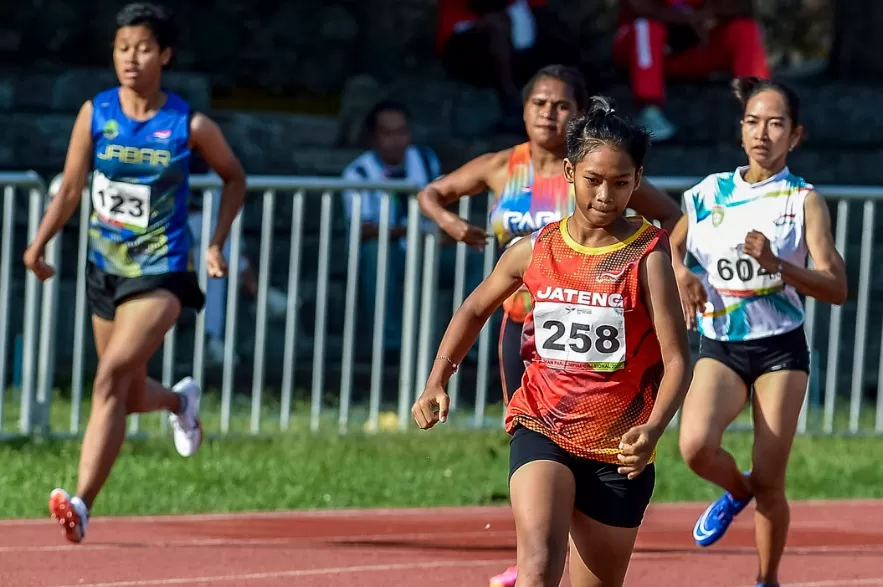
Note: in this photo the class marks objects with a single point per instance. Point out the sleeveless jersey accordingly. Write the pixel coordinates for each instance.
(528, 202)
(140, 189)
(594, 364)
(744, 301)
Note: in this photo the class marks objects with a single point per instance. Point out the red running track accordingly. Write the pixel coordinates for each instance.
(831, 544)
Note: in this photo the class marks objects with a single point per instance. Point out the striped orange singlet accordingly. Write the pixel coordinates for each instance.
(595, 362)
(528, 202)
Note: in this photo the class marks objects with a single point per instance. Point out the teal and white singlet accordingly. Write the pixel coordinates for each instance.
(744, 301)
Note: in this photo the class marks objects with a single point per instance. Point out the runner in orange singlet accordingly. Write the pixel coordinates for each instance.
(608, 363)
(530, 191)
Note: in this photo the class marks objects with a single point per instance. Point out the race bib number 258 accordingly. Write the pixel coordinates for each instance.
(587, 336)
(119, 202)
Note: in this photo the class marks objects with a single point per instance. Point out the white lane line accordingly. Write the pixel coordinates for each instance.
(298, 573)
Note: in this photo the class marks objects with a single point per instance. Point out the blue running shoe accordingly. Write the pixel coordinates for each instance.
(714, 521)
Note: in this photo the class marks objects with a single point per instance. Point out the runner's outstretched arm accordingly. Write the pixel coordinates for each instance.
(692, 292)
(67, 200)
(465, 327)
(208, 139)
(469, 180)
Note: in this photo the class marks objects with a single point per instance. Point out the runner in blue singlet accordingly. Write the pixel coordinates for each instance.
(137, 140)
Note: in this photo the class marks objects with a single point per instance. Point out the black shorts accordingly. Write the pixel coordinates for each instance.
(752, 358)
(601, 493)
(106, 291)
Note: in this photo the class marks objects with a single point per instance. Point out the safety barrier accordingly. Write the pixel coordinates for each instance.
(309, 198)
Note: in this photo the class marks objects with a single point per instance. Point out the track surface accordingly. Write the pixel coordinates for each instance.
(831, 544)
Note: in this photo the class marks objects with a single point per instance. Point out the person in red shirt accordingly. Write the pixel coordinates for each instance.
(659, 39)
(608, 365)
(500, 44)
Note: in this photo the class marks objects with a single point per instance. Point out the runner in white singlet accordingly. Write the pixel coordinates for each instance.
(749, 233)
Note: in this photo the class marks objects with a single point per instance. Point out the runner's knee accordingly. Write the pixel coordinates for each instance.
(541, 558)
(768, 485)
(111, 379)
(698, 447)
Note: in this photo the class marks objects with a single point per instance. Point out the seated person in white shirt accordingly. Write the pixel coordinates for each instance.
(392, 156)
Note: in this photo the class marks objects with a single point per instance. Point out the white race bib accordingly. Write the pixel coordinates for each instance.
(120, 202)
(738, 272)
(591, 336)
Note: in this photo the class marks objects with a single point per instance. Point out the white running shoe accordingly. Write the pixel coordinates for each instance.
(70, 513)
(186, 425)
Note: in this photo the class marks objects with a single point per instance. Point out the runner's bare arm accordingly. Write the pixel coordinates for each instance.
(472, 178)
(827, 281)
(76, 168)
(678, 241)
(692, 292)
(660, 292)
(207, 138)
(652, 203)
(469, 319)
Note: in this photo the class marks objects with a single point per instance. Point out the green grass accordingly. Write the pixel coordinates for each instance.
(294, 469)
(441, 467)
(240, 414)
(241, 408)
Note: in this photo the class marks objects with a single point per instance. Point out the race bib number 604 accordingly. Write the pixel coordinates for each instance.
(741, 273)
(590, 337)
(121, 203)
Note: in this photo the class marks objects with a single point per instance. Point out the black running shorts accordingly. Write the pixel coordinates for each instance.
(752, 358)
(106, 291)
(602, 494)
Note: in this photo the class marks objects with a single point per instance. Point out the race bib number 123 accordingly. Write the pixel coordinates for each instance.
(121, 203)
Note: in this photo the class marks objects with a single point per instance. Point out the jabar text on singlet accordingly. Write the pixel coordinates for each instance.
(746, 302)
(595, 363)
(528, 202)
(140, 188)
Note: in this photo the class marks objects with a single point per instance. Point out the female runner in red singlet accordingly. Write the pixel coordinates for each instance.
(531, 191)
(608, 366)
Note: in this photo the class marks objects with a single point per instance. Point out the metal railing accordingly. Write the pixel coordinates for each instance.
(313, 229)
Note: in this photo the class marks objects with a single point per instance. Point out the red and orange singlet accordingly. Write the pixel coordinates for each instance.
(595, 363)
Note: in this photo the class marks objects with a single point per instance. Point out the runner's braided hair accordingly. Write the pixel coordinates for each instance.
(600, 126)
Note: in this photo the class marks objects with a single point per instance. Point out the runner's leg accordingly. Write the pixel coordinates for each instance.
(778, 398)
(138, 330)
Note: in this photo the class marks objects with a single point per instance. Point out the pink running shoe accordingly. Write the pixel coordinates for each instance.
(506, 579)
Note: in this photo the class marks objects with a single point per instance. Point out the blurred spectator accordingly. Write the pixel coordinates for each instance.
(216, 290)
(392, 156)
(686, 39)
(500, 44)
